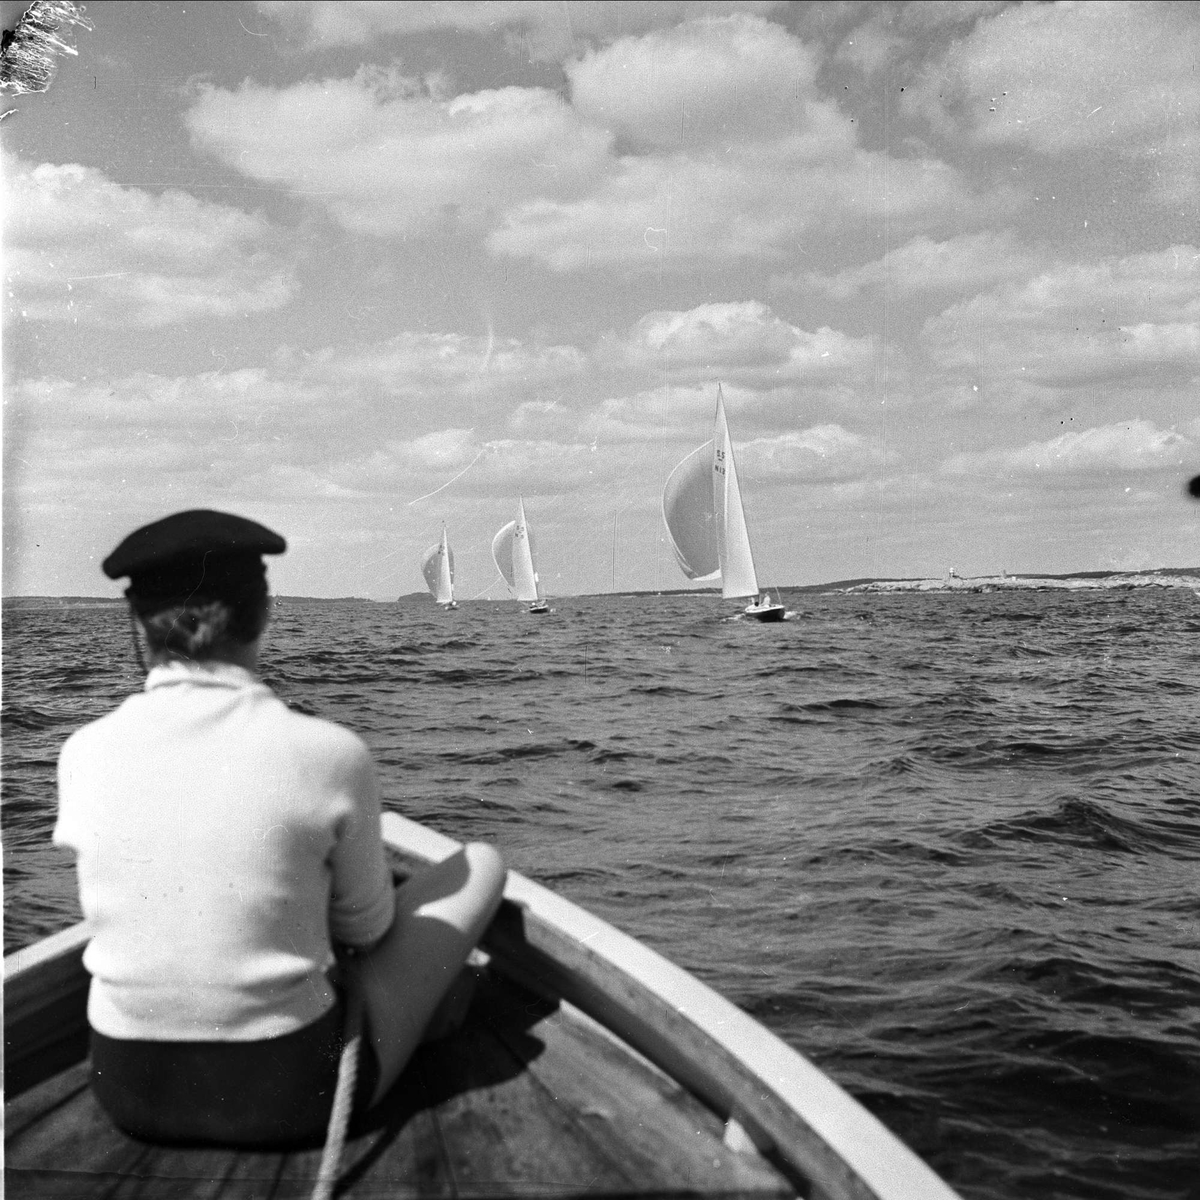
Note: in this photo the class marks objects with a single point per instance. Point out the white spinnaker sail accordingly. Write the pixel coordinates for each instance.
(688, 512)
(733, 541)
(437, 566)
(513, 551)
(502, 551)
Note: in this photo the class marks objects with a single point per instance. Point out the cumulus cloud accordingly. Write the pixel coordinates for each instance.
(1126, 446)
(211, 434)
(436, 369)
(744, 342)
(961, 264)
(1060, 78)
(379, 419)
(824, 453)
(461, 463)
(1074, 322)
(653, 416)
(213, 429)
(81, 247)
(405, 417)
(748, 203)
(387, 156)
(544, 417)
(706, 141)
(547, 31)
(892, 34)
(442, 449)
(726, 151)
(704, 84)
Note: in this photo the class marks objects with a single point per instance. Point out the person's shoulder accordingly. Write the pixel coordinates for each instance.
(78, 742)
(95, 731)
(317, 734)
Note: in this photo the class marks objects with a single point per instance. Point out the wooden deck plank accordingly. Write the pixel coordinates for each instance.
(196, 1177)
(508, 1137)
(401, 1147)
(79, 1153)
(565, 1147)
(485, 1113)
(473, 1090)
(396, 1151)
(67, 1147)
(76, 1152)
(667, 1138)
(71, 1137)
(35, 1104)
(600, 1121)
(73, 1149)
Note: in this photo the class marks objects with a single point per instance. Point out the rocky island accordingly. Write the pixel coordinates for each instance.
(1187, 577)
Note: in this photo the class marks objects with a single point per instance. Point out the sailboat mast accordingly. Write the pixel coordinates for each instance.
(614, 555)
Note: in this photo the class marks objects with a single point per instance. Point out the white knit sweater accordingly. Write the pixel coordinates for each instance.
(221, 841)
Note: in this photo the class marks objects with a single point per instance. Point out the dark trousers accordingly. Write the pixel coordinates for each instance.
(272, 1093)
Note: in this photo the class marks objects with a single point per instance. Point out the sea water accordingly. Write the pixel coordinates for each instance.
(946, 845)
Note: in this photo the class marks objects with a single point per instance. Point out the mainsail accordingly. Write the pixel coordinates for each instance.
(437, 566)
(513, 551)
(733, 540)
(702, 508)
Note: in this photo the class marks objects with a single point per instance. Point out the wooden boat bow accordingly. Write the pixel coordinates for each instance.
(791, 1110)
(815, 1135)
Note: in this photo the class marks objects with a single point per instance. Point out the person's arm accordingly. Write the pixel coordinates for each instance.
(363, 899)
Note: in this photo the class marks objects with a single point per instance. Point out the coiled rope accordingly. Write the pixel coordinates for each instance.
(343, 1096)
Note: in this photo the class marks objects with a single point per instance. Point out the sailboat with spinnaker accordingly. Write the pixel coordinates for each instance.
(437, 565)
(513, 552)
(702, 509)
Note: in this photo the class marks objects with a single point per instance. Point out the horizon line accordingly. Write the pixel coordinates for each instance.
(713, 591)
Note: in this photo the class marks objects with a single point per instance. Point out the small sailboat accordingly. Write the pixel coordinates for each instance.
(437, 565)
(513, 551)
(702, 509)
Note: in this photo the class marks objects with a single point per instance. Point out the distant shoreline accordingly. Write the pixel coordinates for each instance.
(1188, 577)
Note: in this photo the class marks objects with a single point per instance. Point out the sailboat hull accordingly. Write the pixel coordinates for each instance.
(769, 612)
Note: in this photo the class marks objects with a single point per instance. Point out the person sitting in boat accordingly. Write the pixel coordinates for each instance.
(227, 849)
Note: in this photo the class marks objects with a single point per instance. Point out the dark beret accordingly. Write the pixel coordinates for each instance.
(190, 537)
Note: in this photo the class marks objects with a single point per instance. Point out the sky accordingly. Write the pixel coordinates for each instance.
(356, 270)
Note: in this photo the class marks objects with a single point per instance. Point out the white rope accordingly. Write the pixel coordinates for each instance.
(343, 1096)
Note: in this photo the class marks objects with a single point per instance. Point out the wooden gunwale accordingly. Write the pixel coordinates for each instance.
(45, 1008)
(800, 1119)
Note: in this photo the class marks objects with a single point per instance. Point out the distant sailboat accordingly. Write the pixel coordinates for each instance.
(437, 566)
(702, 508)
(512, 549)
